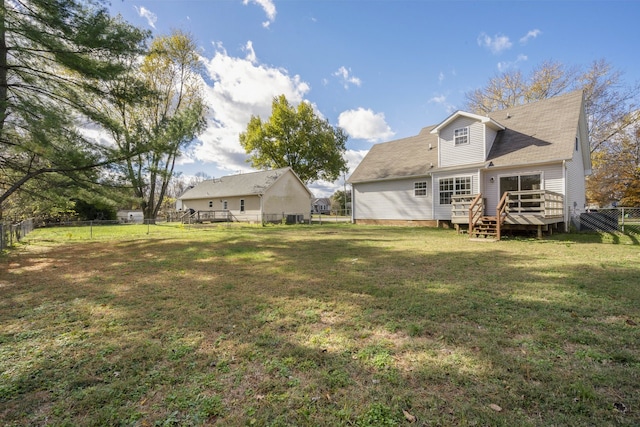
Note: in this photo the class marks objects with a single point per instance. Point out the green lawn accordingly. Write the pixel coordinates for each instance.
(332, 325)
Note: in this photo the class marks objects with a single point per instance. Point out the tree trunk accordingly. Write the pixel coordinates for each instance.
(3, 69)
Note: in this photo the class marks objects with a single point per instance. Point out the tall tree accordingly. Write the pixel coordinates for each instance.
(51, 53)
(611, 107)
(298, 138)
(616, 175)
(152, 134)
(341, 201)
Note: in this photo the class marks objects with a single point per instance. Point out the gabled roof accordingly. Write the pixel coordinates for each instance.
(538, 132)
(246, 184)
(482, 119)
(412, 156)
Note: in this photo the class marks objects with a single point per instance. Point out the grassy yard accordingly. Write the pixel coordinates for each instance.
(331, 325)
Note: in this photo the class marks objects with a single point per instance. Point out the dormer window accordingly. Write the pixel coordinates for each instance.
(461, 136)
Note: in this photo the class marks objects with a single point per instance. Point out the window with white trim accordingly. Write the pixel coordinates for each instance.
(241, 205)
(461, 136)
(450, 187)
(224, 205)
(420, 188)
(210, 203)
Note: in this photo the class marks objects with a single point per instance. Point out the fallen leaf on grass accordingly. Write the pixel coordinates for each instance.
(409, 417)
(495, 407)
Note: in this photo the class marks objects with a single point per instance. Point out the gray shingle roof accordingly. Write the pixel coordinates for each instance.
(542, 131)
(537, 132)
(403, 157)
(245, 184)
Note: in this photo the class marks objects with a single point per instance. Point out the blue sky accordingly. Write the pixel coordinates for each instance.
(380, 69)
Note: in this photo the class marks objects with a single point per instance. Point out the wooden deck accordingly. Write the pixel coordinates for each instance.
(208, 216)
(521, 209)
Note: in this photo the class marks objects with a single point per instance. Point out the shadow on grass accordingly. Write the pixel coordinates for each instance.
(317, 327)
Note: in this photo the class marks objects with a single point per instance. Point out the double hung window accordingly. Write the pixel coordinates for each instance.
(454, 187)
(461, 136)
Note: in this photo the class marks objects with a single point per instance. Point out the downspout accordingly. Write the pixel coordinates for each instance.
(353, 205)
(566, 196)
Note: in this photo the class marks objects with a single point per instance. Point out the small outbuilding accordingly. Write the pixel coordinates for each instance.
(265, 196)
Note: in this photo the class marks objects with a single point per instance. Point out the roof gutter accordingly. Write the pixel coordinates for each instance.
(490, 165)
(394, 178)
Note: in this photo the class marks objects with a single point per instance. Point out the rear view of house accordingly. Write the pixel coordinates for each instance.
(265, 196)
(524, 167)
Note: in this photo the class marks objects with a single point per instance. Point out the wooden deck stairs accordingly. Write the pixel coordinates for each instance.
(486, 227)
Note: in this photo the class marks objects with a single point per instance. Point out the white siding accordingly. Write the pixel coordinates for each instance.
(489, 140)
(287, 195)
(576, 191)
(393, 200)
(444, 211)
(251, 206)
(457, 155)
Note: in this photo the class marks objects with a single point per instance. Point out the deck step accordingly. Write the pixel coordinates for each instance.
(486, 228)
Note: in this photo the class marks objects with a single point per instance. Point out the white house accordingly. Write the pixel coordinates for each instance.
(265, 196)
(520, 167)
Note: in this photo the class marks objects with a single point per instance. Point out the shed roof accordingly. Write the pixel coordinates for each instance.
(246, 184)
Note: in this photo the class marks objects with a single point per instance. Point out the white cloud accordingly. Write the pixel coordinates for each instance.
(504, 66)
(530, 35)
(440, 77)
(145, 13)
(251, 54)
(442, 100)
(269, 9)
(365, 124)
(346, 78)
(239, 88)
(496, 44)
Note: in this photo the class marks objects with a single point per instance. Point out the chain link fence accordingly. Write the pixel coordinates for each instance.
(611, 220)
(12, 233)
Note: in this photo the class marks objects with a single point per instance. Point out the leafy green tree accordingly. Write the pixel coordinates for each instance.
(152, 134)
(298, 138)
(610, 106)
(341, 201)
(51, 53)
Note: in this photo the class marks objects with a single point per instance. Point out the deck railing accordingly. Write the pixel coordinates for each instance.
(539, 203)
(476, 210)
(214, 216)
(460, 208)
(501, 214)
(534, 202)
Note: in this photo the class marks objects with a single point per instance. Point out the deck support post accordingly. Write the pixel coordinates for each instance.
(539, 232)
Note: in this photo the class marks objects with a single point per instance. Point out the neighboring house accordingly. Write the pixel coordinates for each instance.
(321, 205)
(266, 196)
(535, 155)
